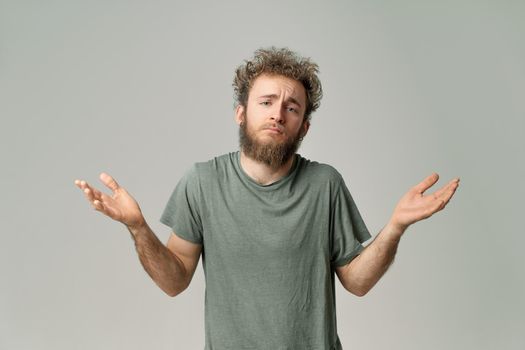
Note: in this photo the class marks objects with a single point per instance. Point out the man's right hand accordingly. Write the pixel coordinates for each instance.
(120, 206)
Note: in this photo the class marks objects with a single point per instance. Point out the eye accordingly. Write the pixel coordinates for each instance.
(291, 109)
(265, 103)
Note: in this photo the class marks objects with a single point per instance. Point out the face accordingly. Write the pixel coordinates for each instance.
(272, 123)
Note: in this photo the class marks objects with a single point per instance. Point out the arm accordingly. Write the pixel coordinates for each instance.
(363, 272)
(171, 267)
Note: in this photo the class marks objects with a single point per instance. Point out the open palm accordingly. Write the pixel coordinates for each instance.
(120, 206)
(414, 206)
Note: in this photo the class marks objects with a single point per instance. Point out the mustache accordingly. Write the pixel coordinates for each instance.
(273, 126)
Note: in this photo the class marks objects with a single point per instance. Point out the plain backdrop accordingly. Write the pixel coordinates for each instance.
(142, 90)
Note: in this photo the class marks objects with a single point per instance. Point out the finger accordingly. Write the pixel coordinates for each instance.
(91, 192)
(443, 191)
(80, 184)
(426, 183)
(436, 204)
(441, 202)
(107, 210)
(98, 205)
(96, 193)
(109, 181)
(83, 185)
(448, 194)
(440, 205)
(448, 190)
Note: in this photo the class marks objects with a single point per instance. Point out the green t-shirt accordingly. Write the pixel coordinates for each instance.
(269, 251)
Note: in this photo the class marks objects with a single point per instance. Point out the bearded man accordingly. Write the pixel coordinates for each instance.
(273, 228)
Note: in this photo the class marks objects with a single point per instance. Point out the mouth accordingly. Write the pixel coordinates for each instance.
(273, 130)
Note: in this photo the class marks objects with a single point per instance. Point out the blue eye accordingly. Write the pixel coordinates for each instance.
(265, 103)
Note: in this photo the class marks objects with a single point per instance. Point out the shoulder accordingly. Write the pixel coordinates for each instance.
(209, 169)
(318, 171)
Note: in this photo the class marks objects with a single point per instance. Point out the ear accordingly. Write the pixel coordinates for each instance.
(239, 114)
(304, 128)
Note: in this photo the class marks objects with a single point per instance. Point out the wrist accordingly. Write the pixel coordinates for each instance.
(394, 231)
(138, 227)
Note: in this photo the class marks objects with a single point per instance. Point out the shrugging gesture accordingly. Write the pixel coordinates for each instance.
(119, 206)
(415, 206)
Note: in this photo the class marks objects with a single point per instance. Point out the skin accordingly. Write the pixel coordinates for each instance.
(283, 111)
(172, 266)
(365, 270)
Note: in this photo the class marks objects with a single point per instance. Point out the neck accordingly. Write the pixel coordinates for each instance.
(261, 172)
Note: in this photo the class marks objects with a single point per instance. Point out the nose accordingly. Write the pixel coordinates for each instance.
(279, 113)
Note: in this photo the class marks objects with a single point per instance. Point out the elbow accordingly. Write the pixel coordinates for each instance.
(173, 292)
(359, 290)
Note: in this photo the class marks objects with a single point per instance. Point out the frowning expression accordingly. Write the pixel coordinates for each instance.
(275, 109)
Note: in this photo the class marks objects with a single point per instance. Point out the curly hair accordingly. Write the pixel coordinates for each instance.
(279, 61)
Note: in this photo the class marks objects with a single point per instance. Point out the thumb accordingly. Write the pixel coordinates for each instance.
(109, 181)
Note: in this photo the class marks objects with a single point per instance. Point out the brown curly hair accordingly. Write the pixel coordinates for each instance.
(280, 61)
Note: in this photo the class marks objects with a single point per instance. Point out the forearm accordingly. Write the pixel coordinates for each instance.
(162, 265)
(369, 266)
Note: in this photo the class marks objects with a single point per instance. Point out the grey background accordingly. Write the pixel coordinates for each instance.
(142, 90)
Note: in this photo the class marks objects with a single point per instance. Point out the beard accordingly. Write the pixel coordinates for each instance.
(272, 153)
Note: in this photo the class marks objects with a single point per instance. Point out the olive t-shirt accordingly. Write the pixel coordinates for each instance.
(269, 251)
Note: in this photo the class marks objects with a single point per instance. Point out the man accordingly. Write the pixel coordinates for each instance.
(273, 227)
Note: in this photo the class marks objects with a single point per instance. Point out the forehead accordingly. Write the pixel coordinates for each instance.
(278, 84)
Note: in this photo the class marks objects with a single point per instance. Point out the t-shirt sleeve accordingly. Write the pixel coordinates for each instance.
(348, 229)
(182, 212)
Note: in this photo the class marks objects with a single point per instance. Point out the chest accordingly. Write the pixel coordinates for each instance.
(286, 226)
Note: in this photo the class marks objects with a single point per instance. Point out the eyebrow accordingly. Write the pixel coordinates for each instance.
(289, 99)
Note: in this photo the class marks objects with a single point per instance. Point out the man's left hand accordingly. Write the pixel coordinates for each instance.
(414, 206)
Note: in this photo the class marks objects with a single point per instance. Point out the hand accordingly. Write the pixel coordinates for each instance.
(120, 206)
(414, 206)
